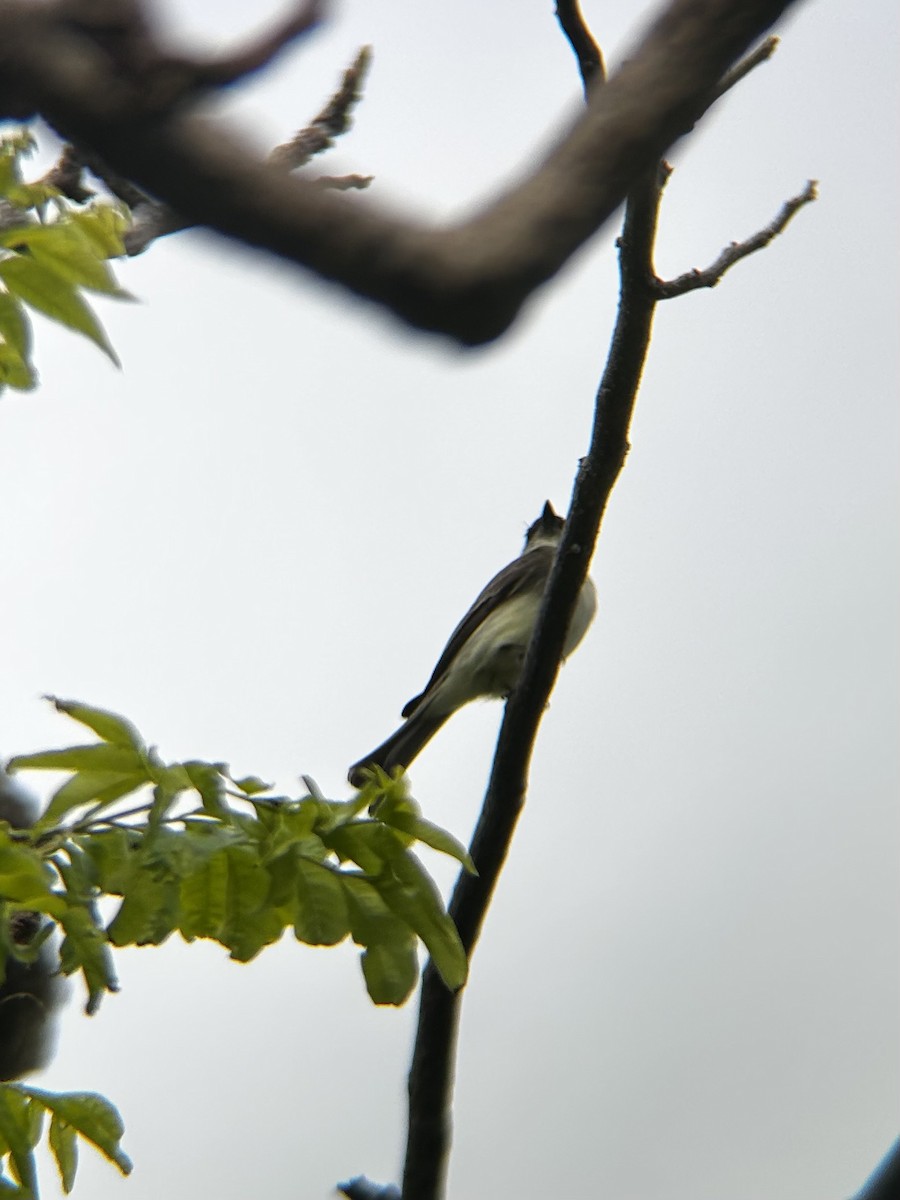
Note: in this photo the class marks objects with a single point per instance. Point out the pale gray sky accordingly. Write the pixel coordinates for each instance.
(256, 538)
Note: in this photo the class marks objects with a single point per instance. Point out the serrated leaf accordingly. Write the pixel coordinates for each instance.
(98, 756)
(64, 1145)
(149, 911)
(432, 835)
(43, 289)
(204, 899)
(95, 1119)
(15, 1129)
(321, 917)
(249, 925)
(107, 725)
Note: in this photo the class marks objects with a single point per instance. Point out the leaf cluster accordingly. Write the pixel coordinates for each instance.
(51, 250)
(72, 1115)
(185, 847)
(210, 856)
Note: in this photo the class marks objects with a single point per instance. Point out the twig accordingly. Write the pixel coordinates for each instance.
(691, 280)
(344, 183)
(66, 175)
(331, 122)
(587, 52)
(761, 54)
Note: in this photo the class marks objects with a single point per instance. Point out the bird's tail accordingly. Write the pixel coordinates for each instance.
(401, 747)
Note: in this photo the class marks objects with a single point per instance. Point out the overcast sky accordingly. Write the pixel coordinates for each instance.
(255, 539)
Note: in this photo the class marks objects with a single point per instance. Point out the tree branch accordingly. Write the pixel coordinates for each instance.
(468, 281)
(434, 1054)
(691, 280)
(587, 53)
(331, 122)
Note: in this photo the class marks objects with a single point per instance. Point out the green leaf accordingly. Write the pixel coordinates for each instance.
(97, 788)
(98, 756)
(252, 785)
(31, 195)
(25, 878)
(95, 1119)
(43, 289)
(321, 917)
(107, 725)
(332, 814)
(15, 328)
(16, 1131)
(149, 911)
(104, 225)
(431, 835)
(390, 970)
(410, 892)
(64, 1144)
(390, 965)
(85, 949)
(248, 926)
(204, 899)
(370, 918)
(289, 825)
(367, 843)
(64, 248)
(112, 853)
(15, 371)
(207, 781)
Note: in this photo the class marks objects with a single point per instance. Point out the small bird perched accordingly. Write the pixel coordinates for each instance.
(486, 650)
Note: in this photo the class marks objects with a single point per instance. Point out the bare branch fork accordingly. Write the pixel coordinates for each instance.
(431, 1073)
(108, 86)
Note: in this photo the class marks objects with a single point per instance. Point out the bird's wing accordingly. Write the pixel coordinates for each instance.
(524, 574)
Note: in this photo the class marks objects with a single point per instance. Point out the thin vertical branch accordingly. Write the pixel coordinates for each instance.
(432, 1071)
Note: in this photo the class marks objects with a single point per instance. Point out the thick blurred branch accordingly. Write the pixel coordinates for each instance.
(124, 99)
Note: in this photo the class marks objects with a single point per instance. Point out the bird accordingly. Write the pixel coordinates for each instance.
(486, 650)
